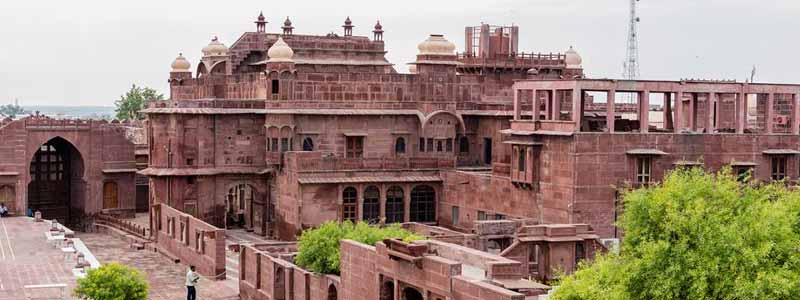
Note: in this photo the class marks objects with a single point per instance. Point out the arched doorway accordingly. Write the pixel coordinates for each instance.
(56, 180)
(423, 204)
(395, 210)
(332, 294)
(410, 293)
(239, 206)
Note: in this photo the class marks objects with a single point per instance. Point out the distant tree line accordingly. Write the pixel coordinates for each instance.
(12, 110)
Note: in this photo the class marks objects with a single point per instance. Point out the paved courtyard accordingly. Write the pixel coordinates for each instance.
(166, 278)
(27, 259)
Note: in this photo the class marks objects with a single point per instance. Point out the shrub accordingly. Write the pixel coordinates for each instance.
(319, 248)
(699, 236)
(112, 282)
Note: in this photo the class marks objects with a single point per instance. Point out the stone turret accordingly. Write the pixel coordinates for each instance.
(436, 55)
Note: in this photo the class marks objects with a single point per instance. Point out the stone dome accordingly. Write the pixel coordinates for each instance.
(572, 59)
(215, 48)
(436, 44)
(280, 52)
(180, 64)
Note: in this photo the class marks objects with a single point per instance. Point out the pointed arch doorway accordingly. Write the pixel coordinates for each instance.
(56, 186)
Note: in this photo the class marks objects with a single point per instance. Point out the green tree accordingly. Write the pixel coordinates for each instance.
(136, 99)
(318, 249)
(699, 236)
(12, 110)
(112, 282)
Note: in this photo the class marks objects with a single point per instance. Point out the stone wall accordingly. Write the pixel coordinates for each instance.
(267, 277)
(191, 240)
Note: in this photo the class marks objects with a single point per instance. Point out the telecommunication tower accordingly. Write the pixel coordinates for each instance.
(631, 63)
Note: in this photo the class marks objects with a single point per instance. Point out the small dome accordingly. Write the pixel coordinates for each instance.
(280, 52)
(287, 23)
(347, 22)
(436, 44)
(378, 26)
(573, 59)
(180, 64)
(261, 17)
(215, 48)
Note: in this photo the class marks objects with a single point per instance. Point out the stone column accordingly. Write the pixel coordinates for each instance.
(644, 111)
(555, 111)
(516, 105)
(770, 124)
(741, 113)
(709, 119)
(678, 122)
(611, 98)
(577, 108)
(382, 201)
(535, 107)
(667, 117)
(692, 112)
(406, 203)
(796, 114)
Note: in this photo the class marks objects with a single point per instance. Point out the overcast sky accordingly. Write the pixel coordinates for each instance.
(88, 52)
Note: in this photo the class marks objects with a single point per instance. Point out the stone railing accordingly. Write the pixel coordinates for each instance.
(190, 240)
(318, 161)
(128, 226)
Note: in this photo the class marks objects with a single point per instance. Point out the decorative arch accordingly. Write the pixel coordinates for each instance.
(395, 208)
(201, 69)
(410, 293)
(460, 129)
(332, 293)
(371, 210)
(56, 183)
(219, 67)
(423, 204)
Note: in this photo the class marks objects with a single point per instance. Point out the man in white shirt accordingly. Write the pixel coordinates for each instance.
(3, 210)
(191, 281)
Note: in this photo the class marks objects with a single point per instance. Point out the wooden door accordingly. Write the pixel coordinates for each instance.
(110, 195)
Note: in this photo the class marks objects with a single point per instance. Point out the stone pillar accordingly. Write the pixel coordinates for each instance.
(577, 108)
(679, 117)
(644, 111)
(741, 113)
(770, 124)
(709, 119)
(535, 107)
(516, 105)
(555, 111)
(611, 98)
(667, 118)
(382, 201)
(796, 114)
(692, 112)
(407, 203)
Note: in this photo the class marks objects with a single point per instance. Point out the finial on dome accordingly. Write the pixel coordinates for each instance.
(378, 32)
(181, 64)
(287, 26)
(348, 27)
(215, 48)
(280, 52)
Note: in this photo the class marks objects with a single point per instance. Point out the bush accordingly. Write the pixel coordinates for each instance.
(319, 248)
(699, 236)
(112, 282)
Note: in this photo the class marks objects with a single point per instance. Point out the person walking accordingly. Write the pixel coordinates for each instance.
(191, 282)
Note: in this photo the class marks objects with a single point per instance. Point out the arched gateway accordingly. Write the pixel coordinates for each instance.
(56, 186)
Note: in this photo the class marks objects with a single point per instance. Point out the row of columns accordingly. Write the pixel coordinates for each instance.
(710, 121)
(384, 188)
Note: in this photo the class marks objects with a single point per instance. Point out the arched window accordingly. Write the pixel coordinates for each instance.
(332, 294)
(410, 293)
(463, 145)
(372, 205)
(423, 204)
(308, 144)
(394, 205)
(349, 204)
(400, 146)
(110, 195)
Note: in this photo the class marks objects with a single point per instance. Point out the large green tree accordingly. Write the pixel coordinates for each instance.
(112, 282)
(136, 99)
(699, 236)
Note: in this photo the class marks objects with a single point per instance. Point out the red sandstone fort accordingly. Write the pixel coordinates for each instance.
(510, 161)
